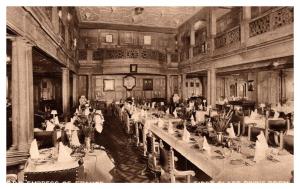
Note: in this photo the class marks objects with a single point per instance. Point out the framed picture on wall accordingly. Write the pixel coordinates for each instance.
(108, 85)
(251, 85)
(147, 40)
(109, 38)
(147, 84)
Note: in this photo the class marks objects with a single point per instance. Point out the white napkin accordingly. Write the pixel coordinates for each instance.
(153, 105)
(230, 131)
(34, 151)
(77, 112)
(276, 115)
(261, 147)
(49, 126)
(193, 121)
(175, 113)
(160, 123)
(186, 135)
(75, 140)
(64, 153)
(162, 103)
(206, 146)
(168, 111)
(170, 128)
(201, 107)
(149, 105)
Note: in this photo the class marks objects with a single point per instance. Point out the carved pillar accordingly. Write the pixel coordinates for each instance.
(65, 90)
(89, 86)
(192, 42)
(168, 58)
(183, 88)
(168, 87)
(22, 94)
(212, 29)
(245, 25)
(213, 91)
(75, 93)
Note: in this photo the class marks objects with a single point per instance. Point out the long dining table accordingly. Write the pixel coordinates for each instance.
(231, 166)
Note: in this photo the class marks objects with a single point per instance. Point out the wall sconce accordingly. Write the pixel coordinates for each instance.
(60, 13)
(69, 17)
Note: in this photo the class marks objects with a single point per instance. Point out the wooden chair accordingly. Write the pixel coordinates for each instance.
(167, 163)
(278, 127)
(68, 175)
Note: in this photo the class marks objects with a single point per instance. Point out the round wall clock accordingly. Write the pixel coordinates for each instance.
(129, 82)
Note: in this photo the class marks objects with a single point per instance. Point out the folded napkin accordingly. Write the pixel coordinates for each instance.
(193, 121)
(160, 123)
(34, 151)
(175, 113)
(153, 105)
(99, 127)
(75, 140)
(201, 107)
(230, 131)
(64, 153)
(170, 128)
(261, 147)
(49, 126)
(276, 115)
(149, 105)
(206, 146)
(77, 112)
(168, 111)
(186, 134)
(162, 103)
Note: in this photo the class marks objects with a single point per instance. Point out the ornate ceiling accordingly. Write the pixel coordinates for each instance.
(166, 17)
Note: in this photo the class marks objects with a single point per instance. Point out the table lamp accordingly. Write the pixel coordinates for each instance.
(53, 112)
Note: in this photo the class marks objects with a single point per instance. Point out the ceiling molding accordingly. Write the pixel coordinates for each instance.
(110, 26)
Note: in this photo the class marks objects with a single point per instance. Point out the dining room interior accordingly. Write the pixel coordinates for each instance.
(149, 94)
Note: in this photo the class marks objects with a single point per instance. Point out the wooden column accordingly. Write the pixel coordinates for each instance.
(213, 87)
(212, 29)
(245, 25)
(75, 93)
(22, 94)
(89, 87)
(168, 87)
(183, 88)
(65, 90)
(192, 42)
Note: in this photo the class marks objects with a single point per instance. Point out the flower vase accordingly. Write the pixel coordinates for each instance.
(87, 142)
(220, 137)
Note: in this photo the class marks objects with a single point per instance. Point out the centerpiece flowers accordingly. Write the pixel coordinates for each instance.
(220, 123)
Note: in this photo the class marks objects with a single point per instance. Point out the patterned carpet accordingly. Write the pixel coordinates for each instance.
(128, 158)
(129, 161)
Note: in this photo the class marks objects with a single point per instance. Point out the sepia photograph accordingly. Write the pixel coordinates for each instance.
(149, 94)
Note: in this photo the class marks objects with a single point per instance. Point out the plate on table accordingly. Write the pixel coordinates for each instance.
(236, 162)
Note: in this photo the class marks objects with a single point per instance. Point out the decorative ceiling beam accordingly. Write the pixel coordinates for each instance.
(89, 25)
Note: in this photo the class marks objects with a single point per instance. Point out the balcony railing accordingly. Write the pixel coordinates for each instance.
(228, 37)
(128, 53)
(271, 21)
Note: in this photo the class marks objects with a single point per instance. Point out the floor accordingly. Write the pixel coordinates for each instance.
(130, 164)
(129, 161)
